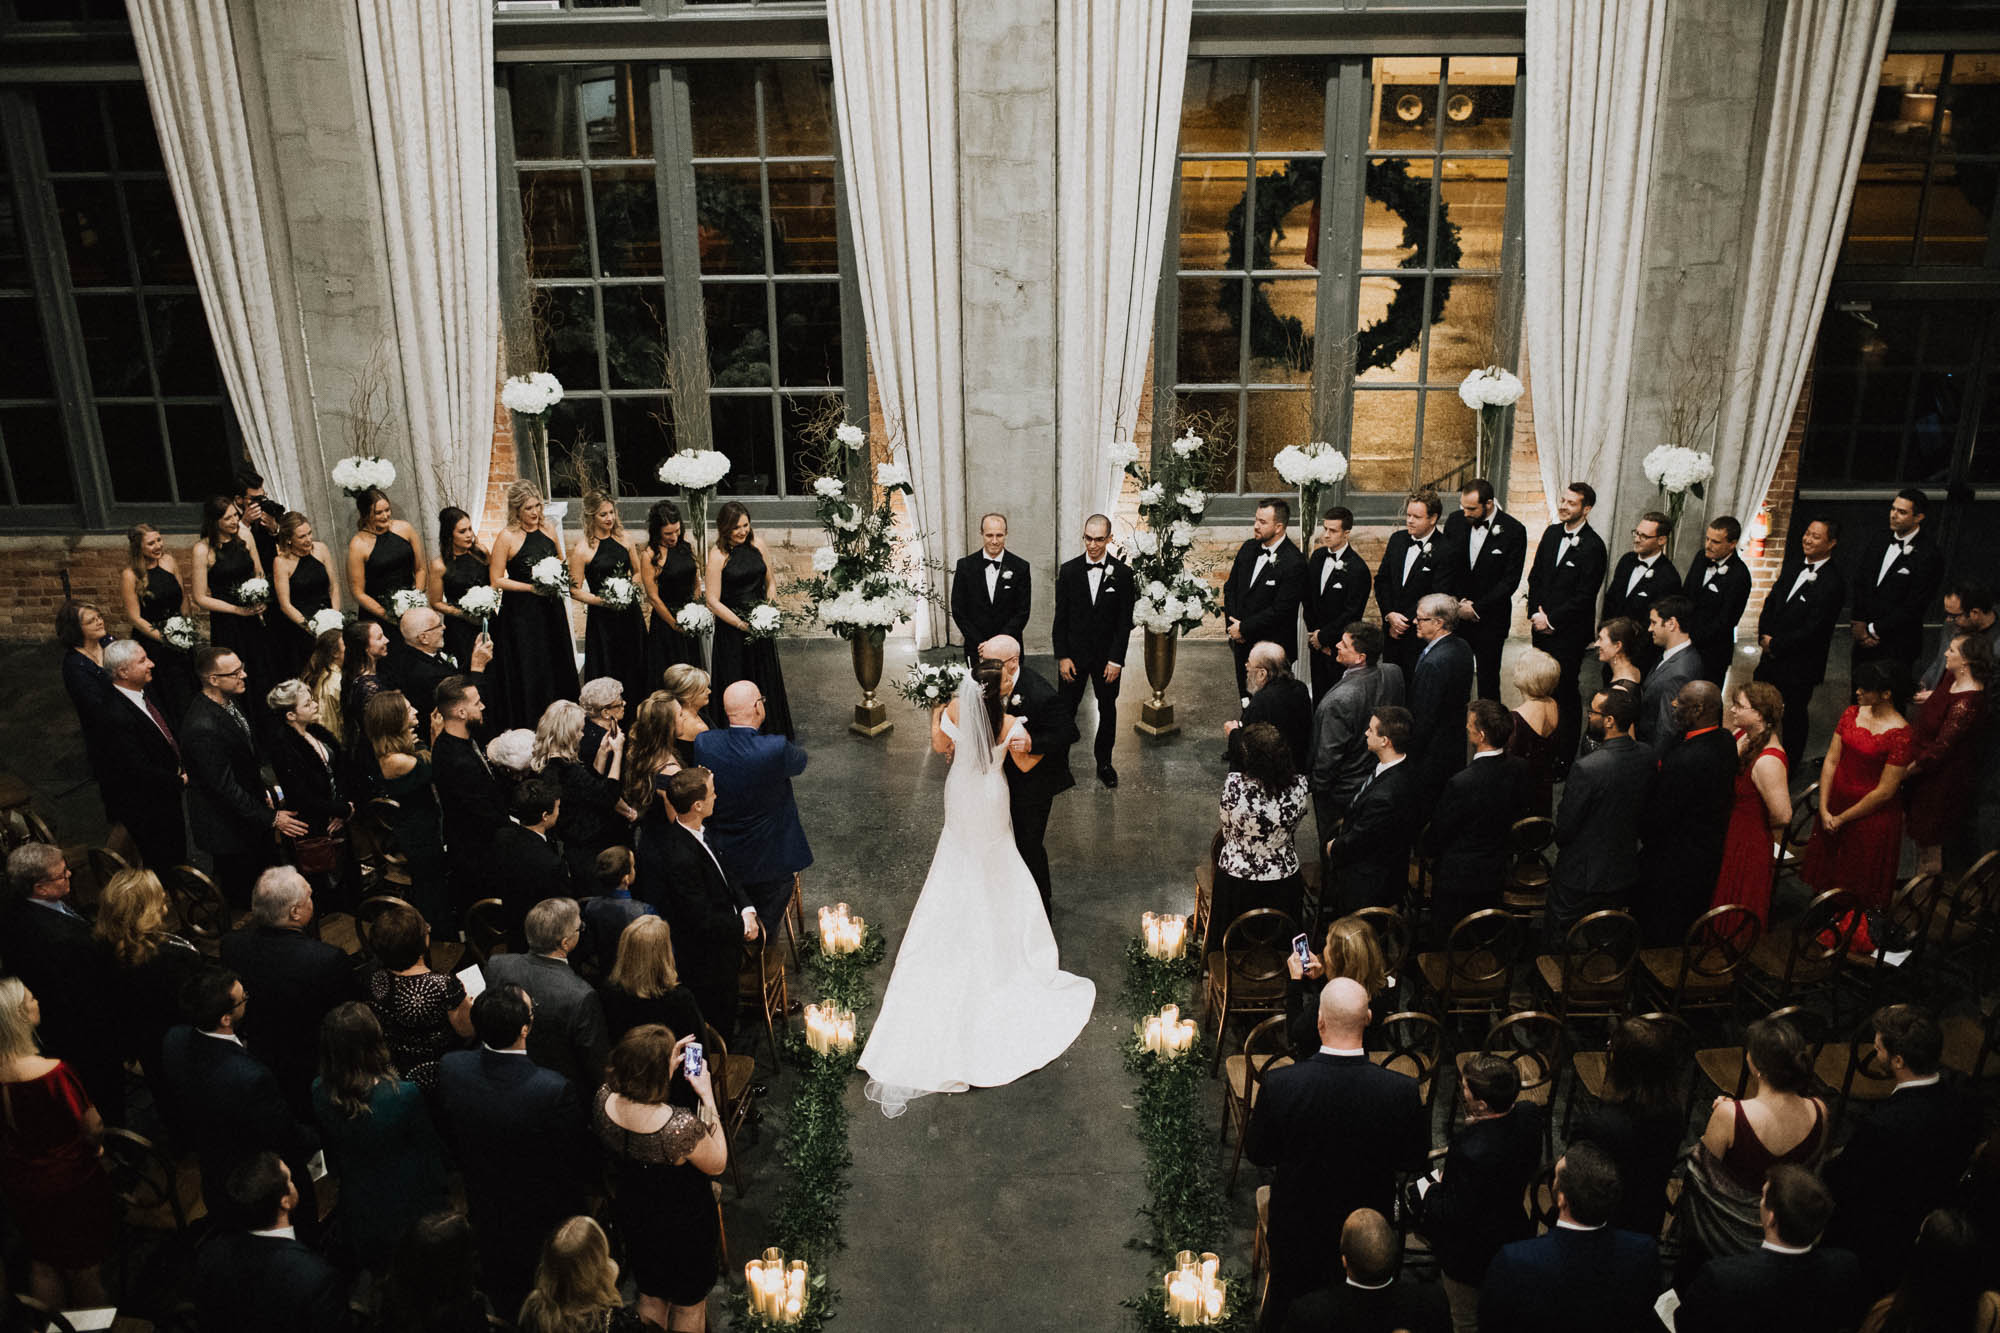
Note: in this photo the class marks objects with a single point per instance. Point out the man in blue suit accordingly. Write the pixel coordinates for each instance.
(755, 828)
(1583, 1276)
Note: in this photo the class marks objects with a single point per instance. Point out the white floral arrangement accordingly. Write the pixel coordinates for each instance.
(850, 436)
(406, 599)
(531, 395)
(829, 488)
(1192, 500)
(824, 559)
(1151, 494)
(930, 685)
(1315, 464)
(551, 573)
(1675, 468)
(481, 601)
(846, 517)
(1490, 386)
(1173, 608)
(1145, 543)
(854, 609)
(893, 477)
(764, 620)
(695, 469)
(1181, 533)
(1122, 453)
(619, 593)
(320, 622)
(357, 473)
(694, 618)
(253, 592)
(1189, 444)
(178, 631)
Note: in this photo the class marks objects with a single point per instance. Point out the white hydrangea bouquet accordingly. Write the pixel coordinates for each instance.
(1173, 608)
(695, 473)
(1489, 392)
(1314, 469)
(179, 631)
(694, 618)
(320, 622)
(531, 395)
(764, 620)
(406, 599)
(932, 684)
(860, 584)
(619, 593)
(253, 592)
(480, 601)
(1171, 502)
(357, 472)
(551, 575)
(1678, 471)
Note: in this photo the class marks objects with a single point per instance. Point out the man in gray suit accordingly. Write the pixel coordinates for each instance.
(569, 1034)
(1340, 761)
(1669, 619)
(1597, 825)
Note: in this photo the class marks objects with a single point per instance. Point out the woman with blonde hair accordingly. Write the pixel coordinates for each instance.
(645, 985)
(1349, 950)
(533, 654)
(322, 677)
(592, 816)
(1535, 674)
(148, 963)
(689, 685)
(302, 586)
(614, 637)
(1763, 808)
(150, 587)
(576, 1286)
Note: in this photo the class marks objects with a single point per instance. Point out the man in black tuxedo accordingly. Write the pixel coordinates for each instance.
(1265, 589)
(1489, 548)
(569, 1035)
(991, 590)
(470, 803)
(1335, 1128)
(1562, 606)
(1277, 697)
(1679, 663)
(1583, 1276)
(1031, 792)
(1791, 1280)
(1597, 824)
(1683, 827)
(1340, 759)
(48, 945)
(230, 808)
(1905, 1158)
(141, 779)
(1337, 584)
(1718, 583)
(1373, 845)
(1440, 687)
(1373, 1295)
(1640, 579)
(1893, 583)
(1474, 1206)
(710, 916)
(259, 1274)
(1093, 625)
(295, 978)
(1417, 562)
(1795, 629)
(1475, 814)
(419, 662)
(522, 1141)
(528, 867)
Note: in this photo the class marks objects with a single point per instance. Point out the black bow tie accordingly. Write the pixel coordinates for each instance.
(1478, 523)
(1096, 564)
(993, 564)
(1720, 566)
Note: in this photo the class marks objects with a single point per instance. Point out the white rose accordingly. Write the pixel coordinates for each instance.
(1181, 533)
(846, 517)
(1145, 543)
(831, 488)
(850, 436)
(1122, 453)
(891, 475)
(824, 559)
(1192, 500)
(1152, 495)
(1187, 444)
(1293, 464)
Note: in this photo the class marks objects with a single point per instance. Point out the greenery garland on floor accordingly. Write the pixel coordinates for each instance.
(1184, 1208)
(806, 1224)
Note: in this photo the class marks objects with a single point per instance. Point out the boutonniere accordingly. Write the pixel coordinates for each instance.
(1646, 574)
(1809, 575)
(1006, 575)
(1013, 700)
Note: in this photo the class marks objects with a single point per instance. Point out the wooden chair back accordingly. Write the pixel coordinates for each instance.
(485, 929)
(1480, 957)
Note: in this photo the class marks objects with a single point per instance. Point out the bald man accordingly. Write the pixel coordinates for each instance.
(1372, 1292)
(419, 662)
(755, 831)
(1038, 767)
(1683, 827)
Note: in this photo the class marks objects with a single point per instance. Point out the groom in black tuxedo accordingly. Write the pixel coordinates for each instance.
(1032, 791)
(1093, 625)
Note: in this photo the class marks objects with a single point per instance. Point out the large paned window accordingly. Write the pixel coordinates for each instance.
(1891, 387)
(1929, 170)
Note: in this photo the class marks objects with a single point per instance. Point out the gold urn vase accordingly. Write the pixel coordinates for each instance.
(1156, 715)
(871, 717)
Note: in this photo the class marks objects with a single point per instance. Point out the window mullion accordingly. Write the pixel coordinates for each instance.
(680, 246)
(1343, 199)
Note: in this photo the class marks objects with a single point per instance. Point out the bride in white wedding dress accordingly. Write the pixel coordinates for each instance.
(976, 999)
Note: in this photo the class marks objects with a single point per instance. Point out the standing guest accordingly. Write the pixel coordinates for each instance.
(49, 946)
(295, 978)
(662, 1159)
(594, 816)
(1677, 664)
(992, 590)
(223, 562)
(527, 866)
(1947, 1287)
(1337, 586)
(682, 874)
(1562, 605)
(423, 1013)
(1683, 829)
(535, 660)
(460, 565)
(378, 1136)
(1373, 845)
(141, 778)
(1417, 562)
(1470, 829)
(262, 515)
(568, 1035)
(256, 1273)
(1093, 626)
(1341, 760)
(660, 737)
(1351, 949)
(1473, 1207)
(1597, 828)
(1489, 548)
(384, 557)
(301, 587)
(1642, 578)
(1440, 687)
(148, 965)
(310, 769)
(576, 1286)
(1535, 675)
(1789, 1280)
(1943, 775)
(433, 1280)
(1265, 588)
(603, 704)
(322, 680)
(1278, 700)
(419, 662)
(1374, 1296)
(364, 653)
(1858, 838)
(1262, 804)
(1761, 806)
(80, 630)
(1639, 1119)
(151, 587)
(644, 985)
(1795, 628)
(608, 911)
(755, 825)
(1620, 641)
(1968, 609)
(470, 802)
(670, 573)
(1583, 1276)
(690, 687)
(740, 575)
(614, 638)
(1718, 583)
(231, 811)
(55, 1187)
(403, 775)
(1894, 580)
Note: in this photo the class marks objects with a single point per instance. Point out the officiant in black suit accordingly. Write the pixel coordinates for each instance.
(1093, 625)
(1642, 577)
(1032, 790)
(1893, 584)
(1488, 549)
(1265, 588)
(1337, 585)
(1718, 583)
(991, 590)
(1562, 606)
(1795, 629)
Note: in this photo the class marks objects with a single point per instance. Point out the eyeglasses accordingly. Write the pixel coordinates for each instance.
(1435, 620)
(57, 876)
(228, 675)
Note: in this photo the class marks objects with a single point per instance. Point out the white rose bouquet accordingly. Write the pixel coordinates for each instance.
(531, 395)
(932, 685)
(829, 488)
(893, 477)
(619, 593)
(1678, 471)
(1314, 468)
(179, 631)
(764, 620)
(695, 473)
(1122, 453)
(1173, 607)
(357, 473)
(406, 599)
(694, 618)
(253, 592)
(319, 622)
(480, 601)
(1489, 392)
(551, 575)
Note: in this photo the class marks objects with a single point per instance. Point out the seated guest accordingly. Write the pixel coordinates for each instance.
(1582, 1277)
(259, 1274)
(423, 1013)
(1341, 760)
(1597, 828)
(1476, 1205)
(1684, 827)
(48, 944)
(295, 978)
(594, 816)
(607, 912)
(1638, 1120)
(1947, 1287)
(644, 985)
(576, 1286)
(148, 964)
(1471, 827)
(568, 1035)
(1263, 801)
(1788, 1282)
(1372, 848)
(433, 1282)
(1374, 1297)
(1351, 950)
(1276, 697)
(528, 867)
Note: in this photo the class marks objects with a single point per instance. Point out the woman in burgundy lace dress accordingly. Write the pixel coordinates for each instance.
(1944, 771)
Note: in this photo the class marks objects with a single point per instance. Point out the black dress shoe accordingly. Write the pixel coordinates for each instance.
(1107, 775)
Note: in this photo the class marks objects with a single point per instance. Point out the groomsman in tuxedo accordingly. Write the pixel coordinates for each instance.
(1093, 625)
(1795, 628)
(1489, 549)
(1894, 581)
(1266, 585)
(1562, 605)
(990, 590)
(1641, 578)
(1337, 583)
(1417, 563)
(141, 781)
(1373, 845)
(1718, 583)
(231, 810)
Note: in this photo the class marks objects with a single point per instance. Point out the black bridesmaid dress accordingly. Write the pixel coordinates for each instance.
(462, 573)
(614, 642)
(312, 590)
(384, 573)
(249, 637)
(534, 658)
(666, 643)
(740, 658)
(160, 600)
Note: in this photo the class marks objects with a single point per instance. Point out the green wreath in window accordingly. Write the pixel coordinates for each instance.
(1389, 183)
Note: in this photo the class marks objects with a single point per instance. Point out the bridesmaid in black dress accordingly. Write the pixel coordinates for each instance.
(534, 658)
(151, 586)
(223, 561)
(614, 640)
(383, 557)
(740, 574)
(458, 567)
(302, 586)
(669, 573)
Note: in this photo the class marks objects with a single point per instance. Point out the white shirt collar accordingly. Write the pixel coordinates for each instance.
(1487, 754)
(1571, 530)
(278, 1233)
(498, 1051)
(1676, 648)
(1381, 768)
(1568, 1225)
(1776, 1248)
(1647, 560)
(221, 1036)
(1916, 1083)
(1336, 1050)
(138, 697)
(1815, 564)
(1372, 1286)
(1336, 550)
(1275, 543)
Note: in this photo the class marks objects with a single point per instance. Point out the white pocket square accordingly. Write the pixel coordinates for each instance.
(1903, 571)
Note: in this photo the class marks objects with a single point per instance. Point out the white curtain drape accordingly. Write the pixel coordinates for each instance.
(429, 73)
(1593, 91)
(1120, 68)
(1828, 61)
(895, 75)
(188, 54)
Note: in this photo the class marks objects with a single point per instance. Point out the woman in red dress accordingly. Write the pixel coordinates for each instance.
(1944, 772)
(50, 1175)
(1859, 836)
(1763, 806)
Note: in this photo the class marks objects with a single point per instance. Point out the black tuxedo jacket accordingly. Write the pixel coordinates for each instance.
(1440, 687)
(1903, 1160)
(293, 981)
(243, 1281)
(1434, 571)
(679, 878)
(1470, 825)
(1475, 1208)
(1718, 604)
(1597, 829)
(522, 1140)
(980, 617)
(1286, 704)
(1404, 1306)
(228, 803)
(1491, 581)
(1764, 1290)
(417, 675)
(1373, 846)
(139, 773)
(1268, 608)
(1602, 1281)
(526, 869)
(1091, 634)
(1565, 588)
(470, 802)
(1051, 731)
(1663, 580)
(1681, 832)
(1344, 597)
(1895, 603)
(1801, 627)
(228, 1103)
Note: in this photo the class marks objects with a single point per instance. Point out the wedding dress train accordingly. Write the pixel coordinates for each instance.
(976, 998)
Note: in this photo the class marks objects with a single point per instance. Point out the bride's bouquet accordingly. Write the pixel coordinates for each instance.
(765, 620)
(253, 592)
(406, 599)
(931, 685)
(619, 593)
(551, 575)
(179, 631)
(694, 618)
(319, 622)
